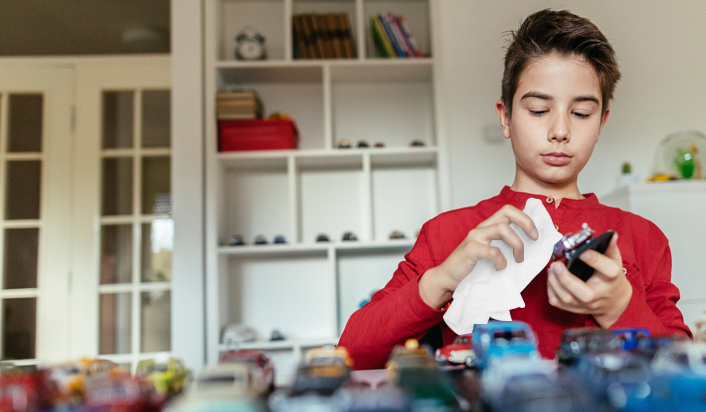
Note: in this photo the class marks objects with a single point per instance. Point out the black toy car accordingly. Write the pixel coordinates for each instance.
(260, 240)
(576, 343)
(322, 238)
(363, 144)
(349, 236)
(237, 240)
(279, 239)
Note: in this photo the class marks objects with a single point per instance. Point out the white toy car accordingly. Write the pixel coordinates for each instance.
(681, 357)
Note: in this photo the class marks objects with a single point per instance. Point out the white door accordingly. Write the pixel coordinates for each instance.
(35, 172)
(122, 223)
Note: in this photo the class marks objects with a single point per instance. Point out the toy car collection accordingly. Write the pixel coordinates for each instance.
(622, 370)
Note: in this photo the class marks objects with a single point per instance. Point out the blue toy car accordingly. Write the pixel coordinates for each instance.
(669, 393)
(576, 343)
(629, 338)
(649, 346)
(496, 340)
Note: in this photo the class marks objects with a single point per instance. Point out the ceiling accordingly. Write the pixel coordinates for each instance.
(79, 27)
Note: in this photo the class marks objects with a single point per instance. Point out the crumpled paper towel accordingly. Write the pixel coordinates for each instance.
(486, 293)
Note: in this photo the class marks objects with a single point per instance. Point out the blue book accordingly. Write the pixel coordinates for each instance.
(391, 35)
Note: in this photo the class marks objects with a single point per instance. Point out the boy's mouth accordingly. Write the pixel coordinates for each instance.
(556, 158)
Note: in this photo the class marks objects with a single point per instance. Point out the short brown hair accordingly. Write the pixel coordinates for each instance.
(548, 31)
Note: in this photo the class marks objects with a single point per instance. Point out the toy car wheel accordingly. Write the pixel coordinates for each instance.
(469, 363)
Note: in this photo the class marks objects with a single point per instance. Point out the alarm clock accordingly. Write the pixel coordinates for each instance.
(250, 45)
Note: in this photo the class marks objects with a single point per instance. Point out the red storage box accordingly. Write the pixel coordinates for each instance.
(271, 134)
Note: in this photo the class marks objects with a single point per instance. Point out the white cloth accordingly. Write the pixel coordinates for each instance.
(486, 293)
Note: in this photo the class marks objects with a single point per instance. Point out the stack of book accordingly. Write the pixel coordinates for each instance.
(322, 36)
(239, 105)
(393, 38)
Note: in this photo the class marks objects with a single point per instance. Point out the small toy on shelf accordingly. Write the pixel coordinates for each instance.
(277, 335)
(322, 238)
(168, 374)
(260, 240)
(280, 239)
(417, 143)
(250, 45)
(362, 144)
(237, 240)
(349, 237)
(379, 144)
(681, 155)
(238, 333)
(396, 234)
(626, 178)
(344, 144)
(279, 116)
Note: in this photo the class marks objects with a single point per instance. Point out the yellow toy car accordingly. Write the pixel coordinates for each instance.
(168, 375)
(71, 377)
(410, 356)
(329, 355)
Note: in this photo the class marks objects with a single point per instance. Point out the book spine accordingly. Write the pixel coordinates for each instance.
(347, 35)
(326, 35)
(300, 38)
(391, 36)
(336, 35)
(404, 37)
(309, 34)
(380, 37)
(399, 38)
(408, 33)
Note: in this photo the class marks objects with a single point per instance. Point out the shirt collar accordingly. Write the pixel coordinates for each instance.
(590, 200)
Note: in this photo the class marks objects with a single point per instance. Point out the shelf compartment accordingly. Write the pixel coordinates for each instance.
(416, 12)
(255, 200)
(330, 197)
(325, 7)
(395, 113)
(404, 197)
(383, 70)
(296, 91)
(360, 274)
(293, 294)
(266, 16)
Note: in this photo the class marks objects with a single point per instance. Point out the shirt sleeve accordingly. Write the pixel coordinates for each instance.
(653, 304)
(394, 314)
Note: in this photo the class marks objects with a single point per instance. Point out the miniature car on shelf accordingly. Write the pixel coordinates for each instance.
(417, 143)
(681, 357)
(459, 352)
(362, 144)
(167, 374)
(73, 376)
(279, 239)
(496, 340)
(349, 236)
(262, 369)
(379, 144)
(575, 343)
(629, 338)
(120, 392)
(649, 346)
(344, 144)
(236, 333)
(276, 335)
(260, 240)
(396, 234)
(328, 355)
(322, 238)
(237, 240)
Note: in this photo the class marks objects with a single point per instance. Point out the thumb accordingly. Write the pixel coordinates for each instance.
(613, 252)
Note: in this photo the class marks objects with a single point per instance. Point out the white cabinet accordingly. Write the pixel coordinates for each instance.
(677, 208)
(308, 289)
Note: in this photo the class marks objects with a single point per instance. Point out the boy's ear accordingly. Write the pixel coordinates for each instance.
(603, 120)
(504, 116)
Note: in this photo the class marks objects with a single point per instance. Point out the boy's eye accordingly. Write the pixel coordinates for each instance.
(537, 112)
(582, 115)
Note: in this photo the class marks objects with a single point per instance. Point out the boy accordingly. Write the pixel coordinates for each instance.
(560, 73)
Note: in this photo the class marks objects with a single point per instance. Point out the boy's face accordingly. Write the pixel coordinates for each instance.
(556, 118)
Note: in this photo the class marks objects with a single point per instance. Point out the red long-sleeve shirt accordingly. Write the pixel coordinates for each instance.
(397, 312)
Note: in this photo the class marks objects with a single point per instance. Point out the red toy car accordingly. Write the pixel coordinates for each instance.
(262, 369)
(457, 353)
(28, 392)
(120, 392)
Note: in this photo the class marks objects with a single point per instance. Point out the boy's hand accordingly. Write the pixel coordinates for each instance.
(605, 295)
(437, 285)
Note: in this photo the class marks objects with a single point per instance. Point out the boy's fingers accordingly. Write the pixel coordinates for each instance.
(511, 214)
(503, 231)
(578, 288)
(482, 251)
(603, 264)
(613, 252)
(564, 296)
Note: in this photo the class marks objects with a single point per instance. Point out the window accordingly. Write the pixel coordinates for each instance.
(137, 230)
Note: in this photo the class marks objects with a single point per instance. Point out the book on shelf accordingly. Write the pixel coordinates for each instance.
(239, 105)
(322, 36)
(393, 37)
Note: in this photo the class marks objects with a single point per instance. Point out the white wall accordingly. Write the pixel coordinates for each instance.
(662, 55)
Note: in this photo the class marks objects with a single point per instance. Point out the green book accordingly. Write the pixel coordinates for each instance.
(380, 36)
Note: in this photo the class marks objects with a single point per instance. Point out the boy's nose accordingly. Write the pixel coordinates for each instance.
(560, 130)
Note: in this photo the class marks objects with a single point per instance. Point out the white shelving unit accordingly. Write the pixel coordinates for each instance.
(308, 290)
